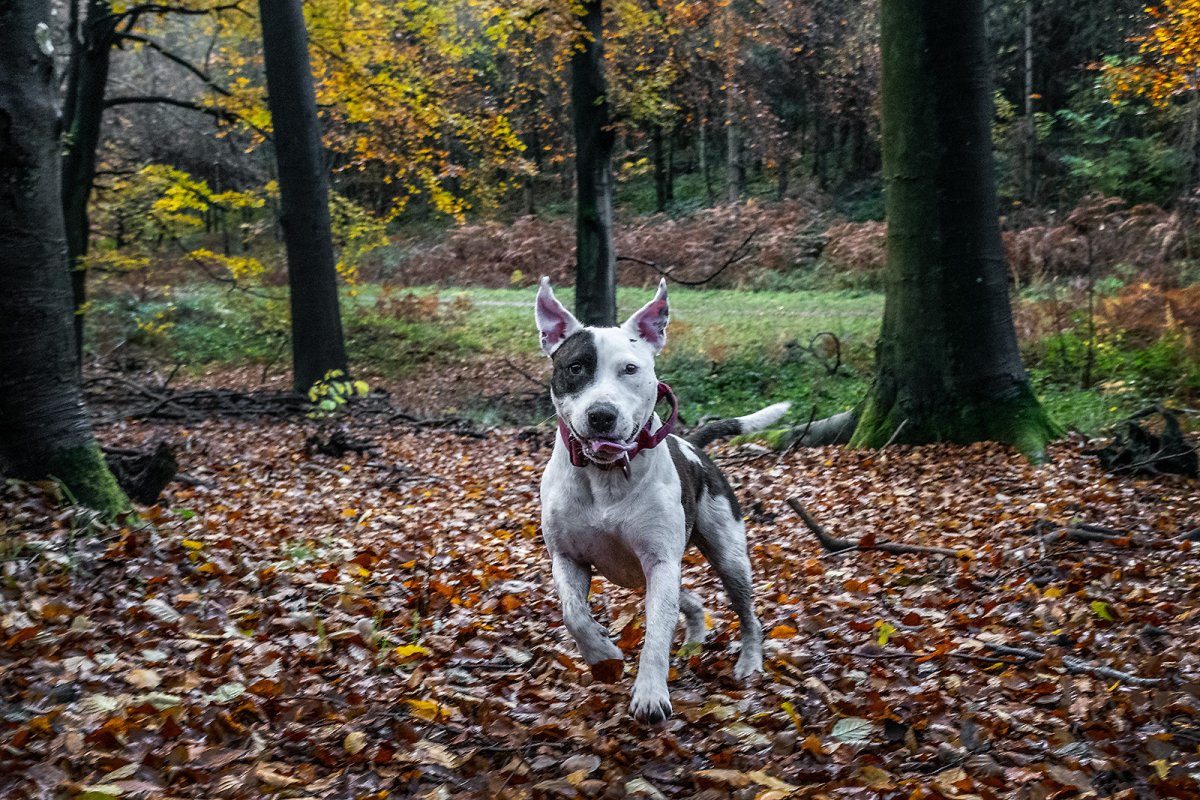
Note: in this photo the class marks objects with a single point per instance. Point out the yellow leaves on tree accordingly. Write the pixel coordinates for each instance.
(1169, 64)
(404, 104)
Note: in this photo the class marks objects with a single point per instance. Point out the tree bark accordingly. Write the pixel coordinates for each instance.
(317, 343)
(948, 367)
(83, 112)
(44, 431)
(595, 261)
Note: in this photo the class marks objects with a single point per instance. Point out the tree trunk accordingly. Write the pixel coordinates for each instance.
(948, 368)
(735, 167)
(43, 428)
(1028, 177)
(660, 169)
(83, 112)
(317, 344)
(702, 157)
(595, 261)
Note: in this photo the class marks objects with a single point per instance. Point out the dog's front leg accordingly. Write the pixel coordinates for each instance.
(651, 700)
(573, 581)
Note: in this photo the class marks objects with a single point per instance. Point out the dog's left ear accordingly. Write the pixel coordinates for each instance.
(650, 323)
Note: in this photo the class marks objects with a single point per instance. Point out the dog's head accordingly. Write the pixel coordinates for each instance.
(603, 386)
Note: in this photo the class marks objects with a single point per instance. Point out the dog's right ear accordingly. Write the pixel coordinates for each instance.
(554, 322)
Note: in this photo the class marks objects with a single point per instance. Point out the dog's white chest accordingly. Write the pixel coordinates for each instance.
(613, 523)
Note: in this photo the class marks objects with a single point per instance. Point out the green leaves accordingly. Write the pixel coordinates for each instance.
(333, 392)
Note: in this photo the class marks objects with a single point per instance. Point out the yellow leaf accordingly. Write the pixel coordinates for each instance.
(790, 710)
(192, 544)
(410, 650)
(430, 710)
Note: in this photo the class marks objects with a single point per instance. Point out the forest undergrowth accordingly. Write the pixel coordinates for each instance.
(383, 625)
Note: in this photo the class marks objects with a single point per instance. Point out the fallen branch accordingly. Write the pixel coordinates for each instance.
(831, 430)
(734, 257)
(1076, 665)
(833, 544)
(1052, 532)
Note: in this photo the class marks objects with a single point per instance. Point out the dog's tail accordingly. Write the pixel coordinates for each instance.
(724, 428)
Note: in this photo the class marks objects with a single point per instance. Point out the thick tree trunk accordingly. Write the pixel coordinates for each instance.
(948, 368)
(43, 428)
(595, 261)
(317, 344)
(83, 112)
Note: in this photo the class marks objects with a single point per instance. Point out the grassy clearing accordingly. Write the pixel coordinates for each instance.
(729, 352)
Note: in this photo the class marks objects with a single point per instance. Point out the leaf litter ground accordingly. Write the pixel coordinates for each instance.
(297, 625)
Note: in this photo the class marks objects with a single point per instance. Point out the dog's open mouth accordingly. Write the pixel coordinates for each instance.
(607, 451)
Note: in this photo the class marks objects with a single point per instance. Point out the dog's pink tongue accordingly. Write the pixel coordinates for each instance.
(607, 447)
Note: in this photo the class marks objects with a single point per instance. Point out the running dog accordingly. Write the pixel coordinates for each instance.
(624, 496)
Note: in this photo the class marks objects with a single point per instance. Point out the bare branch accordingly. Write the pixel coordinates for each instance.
(212, 111)
(734, 257)
(180, 60)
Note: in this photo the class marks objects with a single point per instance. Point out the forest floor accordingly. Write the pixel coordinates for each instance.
(297, 625)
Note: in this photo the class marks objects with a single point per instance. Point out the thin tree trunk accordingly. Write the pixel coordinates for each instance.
(1028, 175)
(781, 186)
(671, 165)
(660, 169)
(43, 428)
(735, 167)
(702, 157)
(948, 368)
(83, 112)
(595, 261)
(317, 344)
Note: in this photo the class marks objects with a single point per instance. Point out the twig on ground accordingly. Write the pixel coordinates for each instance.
(833, 544)
(1077, 665)
(895, 433)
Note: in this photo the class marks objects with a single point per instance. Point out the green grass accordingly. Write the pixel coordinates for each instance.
(729, 352)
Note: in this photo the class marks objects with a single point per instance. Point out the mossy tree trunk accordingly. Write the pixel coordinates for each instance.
(948, 367)
(317, 341)
(595, 260)
(44, 431)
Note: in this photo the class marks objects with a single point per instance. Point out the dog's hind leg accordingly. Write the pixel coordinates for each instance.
(573, 581)
(721, 538)
(693, 617)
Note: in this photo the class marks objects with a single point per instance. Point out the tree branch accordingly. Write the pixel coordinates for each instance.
(180, 60)
(734, 257)
(218, 113)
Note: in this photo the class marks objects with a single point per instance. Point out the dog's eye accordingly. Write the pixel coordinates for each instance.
(575, 368)
(631, 369)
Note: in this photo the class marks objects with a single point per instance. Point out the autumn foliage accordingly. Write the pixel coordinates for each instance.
(290, 622)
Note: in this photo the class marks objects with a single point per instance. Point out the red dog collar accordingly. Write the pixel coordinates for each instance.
(645, 439)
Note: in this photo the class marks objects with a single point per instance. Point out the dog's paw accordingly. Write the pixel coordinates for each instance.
(650, 702)
(748, 664)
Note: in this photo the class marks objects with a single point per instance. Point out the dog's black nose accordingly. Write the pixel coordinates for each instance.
(602, 418)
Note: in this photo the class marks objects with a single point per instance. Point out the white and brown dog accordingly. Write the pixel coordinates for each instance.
(614, 501)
